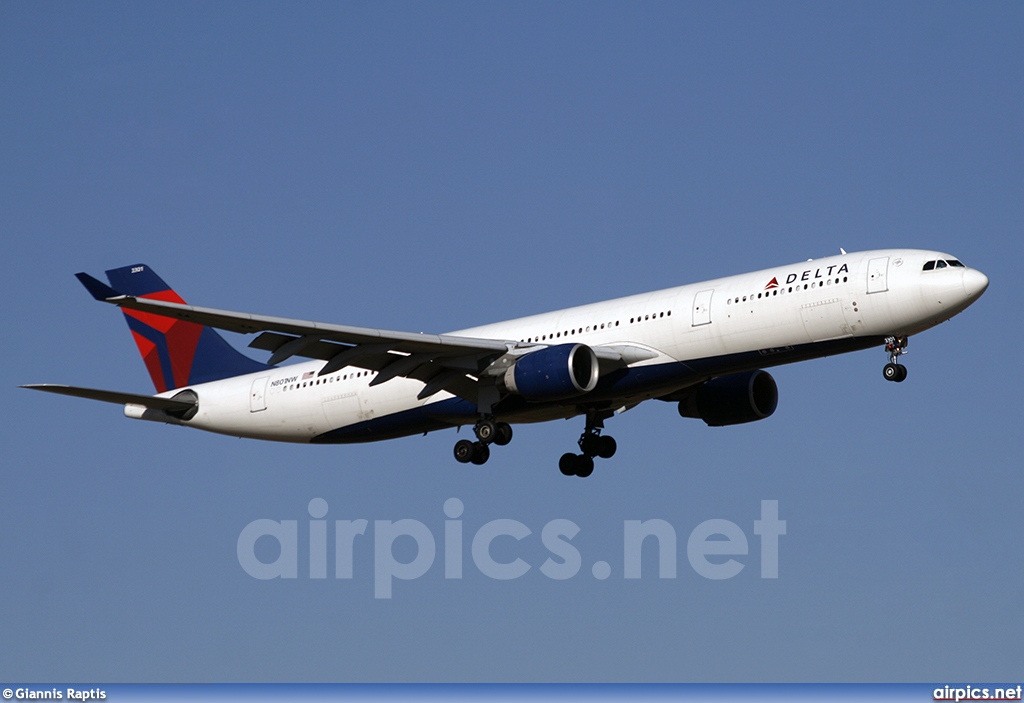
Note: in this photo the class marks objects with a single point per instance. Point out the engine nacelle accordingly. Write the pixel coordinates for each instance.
(733, 400)
(555, 373)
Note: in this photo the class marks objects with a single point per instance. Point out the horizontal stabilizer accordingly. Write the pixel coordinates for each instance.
(97, 289)
(148, 401)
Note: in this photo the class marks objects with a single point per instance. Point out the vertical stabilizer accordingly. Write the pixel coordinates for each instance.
(176, 353)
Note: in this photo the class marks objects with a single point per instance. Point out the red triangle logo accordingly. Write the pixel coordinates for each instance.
(774, 283)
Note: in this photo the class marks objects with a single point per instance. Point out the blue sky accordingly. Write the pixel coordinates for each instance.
(427, 167)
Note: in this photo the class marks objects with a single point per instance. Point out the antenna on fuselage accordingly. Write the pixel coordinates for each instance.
(842, 251)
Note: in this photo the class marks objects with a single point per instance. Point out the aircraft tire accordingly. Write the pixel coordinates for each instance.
(584, 466)
(503, 435)
(590, 445)
(485, 431)
(481, 453)
(464, 451)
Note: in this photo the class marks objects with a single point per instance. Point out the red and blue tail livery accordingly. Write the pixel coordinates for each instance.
(177, 353)
(702, 346)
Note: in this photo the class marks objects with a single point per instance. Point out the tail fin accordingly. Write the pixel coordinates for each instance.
(177, 353)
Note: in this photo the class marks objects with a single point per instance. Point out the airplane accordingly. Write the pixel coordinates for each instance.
(703, 346)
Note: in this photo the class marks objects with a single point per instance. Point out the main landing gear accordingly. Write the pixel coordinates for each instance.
(593, 444)
(893, 371)
(487, 432)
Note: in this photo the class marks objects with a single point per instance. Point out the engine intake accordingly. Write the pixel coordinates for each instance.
(555, 373)
(733, 400)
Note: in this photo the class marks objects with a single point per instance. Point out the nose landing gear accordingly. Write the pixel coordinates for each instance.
(894, 371)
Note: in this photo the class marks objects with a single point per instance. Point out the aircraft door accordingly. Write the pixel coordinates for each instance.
(343, 409)
(825, 320)
(702, 307)
(258, 394)
(877, 272)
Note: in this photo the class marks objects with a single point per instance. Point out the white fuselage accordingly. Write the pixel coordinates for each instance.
(689, 334)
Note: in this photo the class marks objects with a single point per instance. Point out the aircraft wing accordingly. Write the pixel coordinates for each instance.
(442, 362)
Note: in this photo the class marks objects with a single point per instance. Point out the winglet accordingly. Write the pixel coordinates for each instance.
(99, 290)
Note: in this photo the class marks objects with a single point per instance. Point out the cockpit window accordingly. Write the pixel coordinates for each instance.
(940, 264)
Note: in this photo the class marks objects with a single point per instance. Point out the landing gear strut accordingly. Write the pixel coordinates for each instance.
(894, 371)
(593, 444)
(487, 431)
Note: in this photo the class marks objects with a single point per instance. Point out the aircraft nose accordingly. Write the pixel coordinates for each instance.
(975, 282)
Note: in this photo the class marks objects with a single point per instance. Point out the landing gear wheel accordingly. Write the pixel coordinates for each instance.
(895, 372)
(895, 347)
(576, 465)
(589, 444)
(592, 444)
(606, 447)
(485, 431)
(584, 466)
(481, 453)
(503, 434)
(464, 451)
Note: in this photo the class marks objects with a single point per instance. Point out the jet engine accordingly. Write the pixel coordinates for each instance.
(732, 400)
(554, 373)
